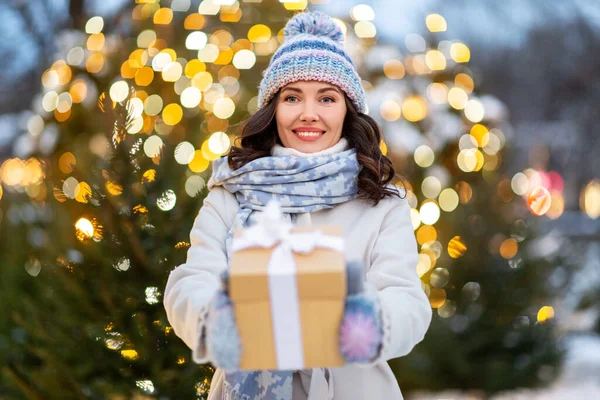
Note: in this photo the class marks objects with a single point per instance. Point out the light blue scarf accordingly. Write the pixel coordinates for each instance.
(300, 184)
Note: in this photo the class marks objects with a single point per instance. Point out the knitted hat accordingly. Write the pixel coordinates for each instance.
(312, 49)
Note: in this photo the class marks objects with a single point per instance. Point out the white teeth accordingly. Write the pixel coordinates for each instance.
(309, 134)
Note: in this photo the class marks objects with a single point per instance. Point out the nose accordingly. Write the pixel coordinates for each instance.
(309, 112)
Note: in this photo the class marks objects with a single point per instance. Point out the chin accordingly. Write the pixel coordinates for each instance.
(308, 147)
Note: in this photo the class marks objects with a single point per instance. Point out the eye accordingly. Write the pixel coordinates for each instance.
(330, 98)
(289, 97)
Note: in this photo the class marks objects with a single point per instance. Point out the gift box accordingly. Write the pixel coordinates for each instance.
(288, 287)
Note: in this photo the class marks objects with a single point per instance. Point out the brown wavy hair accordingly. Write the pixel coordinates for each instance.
(259, 135)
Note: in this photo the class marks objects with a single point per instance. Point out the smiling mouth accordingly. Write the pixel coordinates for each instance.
(309, 134)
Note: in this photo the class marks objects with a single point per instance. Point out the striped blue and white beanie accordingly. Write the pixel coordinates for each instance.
(312, 49)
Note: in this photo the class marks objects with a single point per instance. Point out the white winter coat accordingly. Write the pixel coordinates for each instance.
(381, 237)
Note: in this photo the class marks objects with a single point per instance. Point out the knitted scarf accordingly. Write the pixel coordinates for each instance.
(300, 184)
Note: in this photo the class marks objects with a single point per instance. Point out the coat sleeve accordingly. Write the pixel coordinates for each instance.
(192, 285)
(405, 309)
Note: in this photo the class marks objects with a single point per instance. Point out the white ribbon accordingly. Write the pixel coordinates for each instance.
(272, 230)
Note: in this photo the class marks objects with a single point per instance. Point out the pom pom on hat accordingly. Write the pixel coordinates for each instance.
(313, 23)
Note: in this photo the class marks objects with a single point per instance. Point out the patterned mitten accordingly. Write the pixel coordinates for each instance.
(361, 331)
(222, 338)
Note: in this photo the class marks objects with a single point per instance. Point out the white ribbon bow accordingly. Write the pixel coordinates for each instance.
(271, 230)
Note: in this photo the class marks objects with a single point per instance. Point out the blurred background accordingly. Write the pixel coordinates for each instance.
(112, 110)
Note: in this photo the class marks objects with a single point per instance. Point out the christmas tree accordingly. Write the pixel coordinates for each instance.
(99, 207)
(488, 273)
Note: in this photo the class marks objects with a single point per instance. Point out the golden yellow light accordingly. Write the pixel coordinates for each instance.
(509, 248)
(259, 33)
(467, 160)
(66, 162)
(394, 69)
(138, 58)
(456, 247)
(436, 23)
(589, 200)
(128, 70)
(457, 98)
(426, 233)
(163, 16)
(437, 297)
(438, 93)
(193, 67)
(144, 76)
(464, 82)
(383, 147)
(295, 5)
(84, 192)
(545, 313)
(202, 81)
(557, 206)
(114, 188)
(365, 29)
(460, 52)
(84, 228)
(95, 42)
(172, 114)
(149, 176)
(465, 192)
(429, 212)
(64, 73)
(480, 134)
(207, 153)
(62, 117)
(414, 109)
(390, 110)
(225, 56)
(129, 354)
(194, 21)
(435, 60)
(198, 163)
(94, 63)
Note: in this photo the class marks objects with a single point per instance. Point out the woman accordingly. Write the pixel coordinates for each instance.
(311, 146)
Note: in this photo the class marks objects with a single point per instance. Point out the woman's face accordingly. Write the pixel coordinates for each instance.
(310, 115)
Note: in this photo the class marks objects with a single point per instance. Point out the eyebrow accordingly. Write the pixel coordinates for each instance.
(325, 89)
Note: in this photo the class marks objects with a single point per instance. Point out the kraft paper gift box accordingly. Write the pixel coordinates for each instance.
(289, 306)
